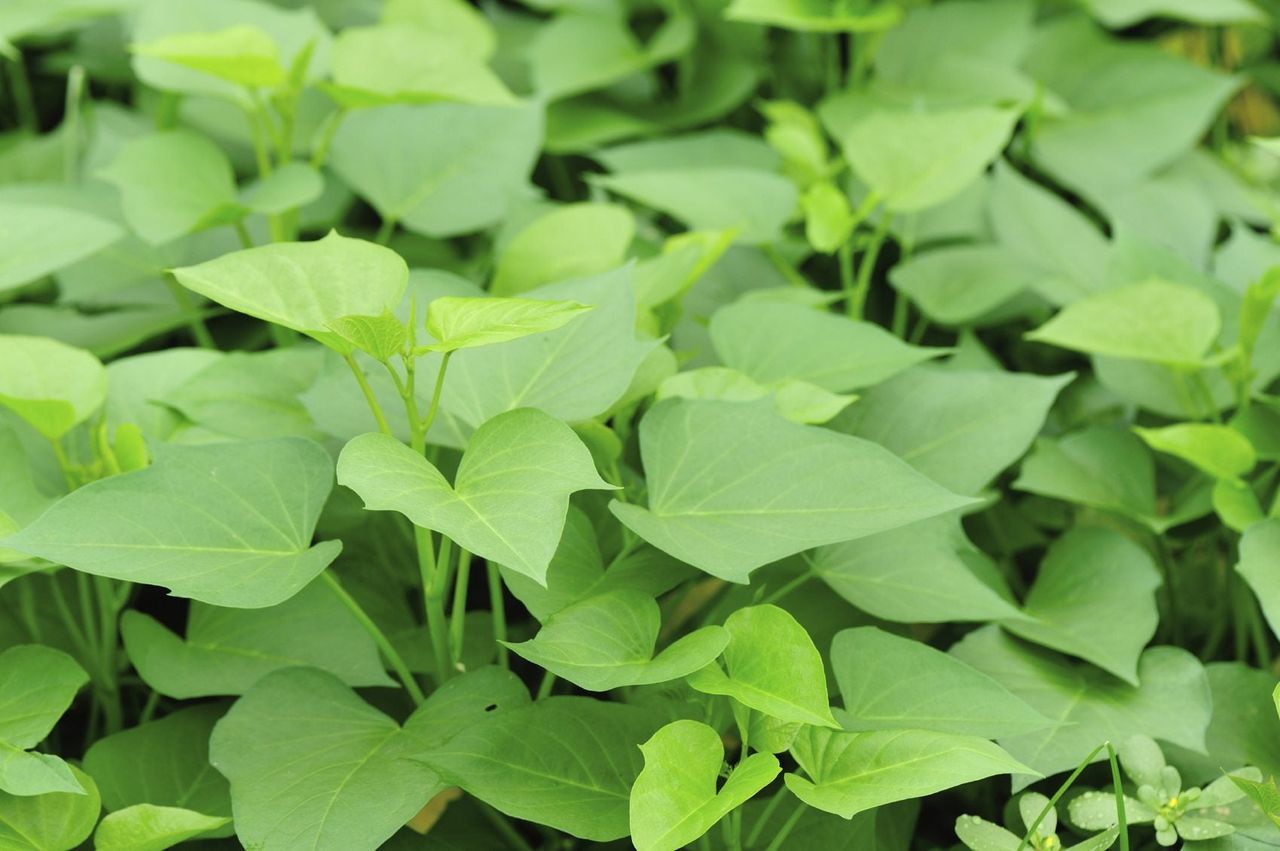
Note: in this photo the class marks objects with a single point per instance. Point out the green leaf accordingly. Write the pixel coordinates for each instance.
(675, 798)
(1259, 549)
(891, 683)
(172, 184)
(227, 650)
(755, 204)
(28, 773)
(147, 827)
(925, 572)
(397, 63)
(771, 666)
(164, 762)
(773, 342)
(575, 373)
(228, 524)
(1093, 575)
(809, 17)
(441, 169)
(289, 186)
(981, 835)
(828, 220)
(508, 499)
(38, 684)
(1119, 14)
(1265, 795)
(959, 428)
(304, 285)
(852, 772)
(312, 764)
(380, 336)
(960, 285)
(36, 240)
(608, 641)
(572, 241)
(566, 762)
(733, 486)
(51, 385)
(464, 323)
(244, 55)
(798, 401)
(1218, 450)
(58, 821)
(914, 160)
(1155, 321)
(1172, 702)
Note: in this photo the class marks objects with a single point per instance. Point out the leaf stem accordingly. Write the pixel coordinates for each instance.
(71, 124)
(1062, 790)
(546, 685)
(385, 230)
(787, 826)
(458, 614)
(763, 821)
(195, 323)
(435, 395)
(379, 637)
(433, 602)
(369, 397)
(320, 153)
(787, 587)
(24, 103)
(498, 607)
(1122, 815)
(858, 298)
(506, 828)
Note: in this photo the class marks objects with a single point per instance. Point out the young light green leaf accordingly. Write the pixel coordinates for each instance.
(227, 650)
(607, 641)
(572, 241)
(960, 428)
(755, 204)
(304, 285)
(1259, 550)
(852, 772)
(925, 572)
(164, 762)
(1154, 321)
(27, 773)
(566, 762)
(1093, 575)
(380, 337)
(244, 55)
(1172, 702)
(798, 401)
(773, 342)
(36, 240)
(808, 17)
(1218, 450)
(288, 186)
(174, 183)
(147, 827)
(960, 285)
(508, 499)
(981, 835)
(51, 385)
(892, 683)
(464, 323)
(38, 684)
(828, 219)
(57, 821)
(915, 160)
(227, 523)
(771, 666)
(441, 169)
(675, 798)
(733, 486)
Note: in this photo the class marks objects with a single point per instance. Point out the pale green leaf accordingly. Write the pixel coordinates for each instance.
(228, 524)
(773, 342)
(147, 827)
(959, 285)
(852, 772)
(1119, 14)
(675, 798)
(380, 336)
(1259, 551)
(1154, 321)
(51, 385)
(58, 821)
(37, 685)
(173, 183)
(572, 241)
(36, 240)
(1218, 450)
(608, 641)
(828, 220)
(771, 666)
(891, 683)
(1100, 467)
(508, 500)
(733, 486)
(806, 16)
(464, 323)
(244, 55)
(304, 285)
(981, 835)
(226, 651)
(798, 401)
(291, 185)
(27, 773)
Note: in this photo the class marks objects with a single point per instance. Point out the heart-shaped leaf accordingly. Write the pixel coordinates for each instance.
(147, 827)
(463, 323)
(227, 523)
(49, 384)
(508, 500)
(675, 798)
(57, 821)
(244, 55)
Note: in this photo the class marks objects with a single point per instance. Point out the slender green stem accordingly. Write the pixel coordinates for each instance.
(458, 614)
(900, 315)
(149, 708)
(857, 302)
(60, 603)
(779, 262)
(369, 396)
(506, 828)
(546, 685)
(787, 826)
(389, 651)
(385, 230)
(64, 463)
(765, 817)
(320, 153)
(1122, 815)
(195, 322)
(844, 257)
(24, 103)
(71, 125)
(1062, 790)
(498, 606)
(433, 602)
(787, 587)
(435, 395)
(242, 234)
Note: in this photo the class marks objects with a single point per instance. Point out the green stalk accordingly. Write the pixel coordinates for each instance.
(385, 230)
(195, 323)
(498, 607)
(24, 104)
(435, 395)
(866, 266)
(458, 614)
(508, 831)
(379, 638)
(1062, 790)
(546, 685)
(433, 602)
(320, 153)
(765, 817)
(787, 587)
(1122, 816)
(71, 125)
(787, 826)
(369, 396)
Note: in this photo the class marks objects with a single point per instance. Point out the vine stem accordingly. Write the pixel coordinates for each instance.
(1062, 790)
(379, 637)
(787, 826)
(498, 606)
(435, 395)
(369, 397)
(858, 299)
(458, 614)
(763, 821)
(195, 323)
(385, 230)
